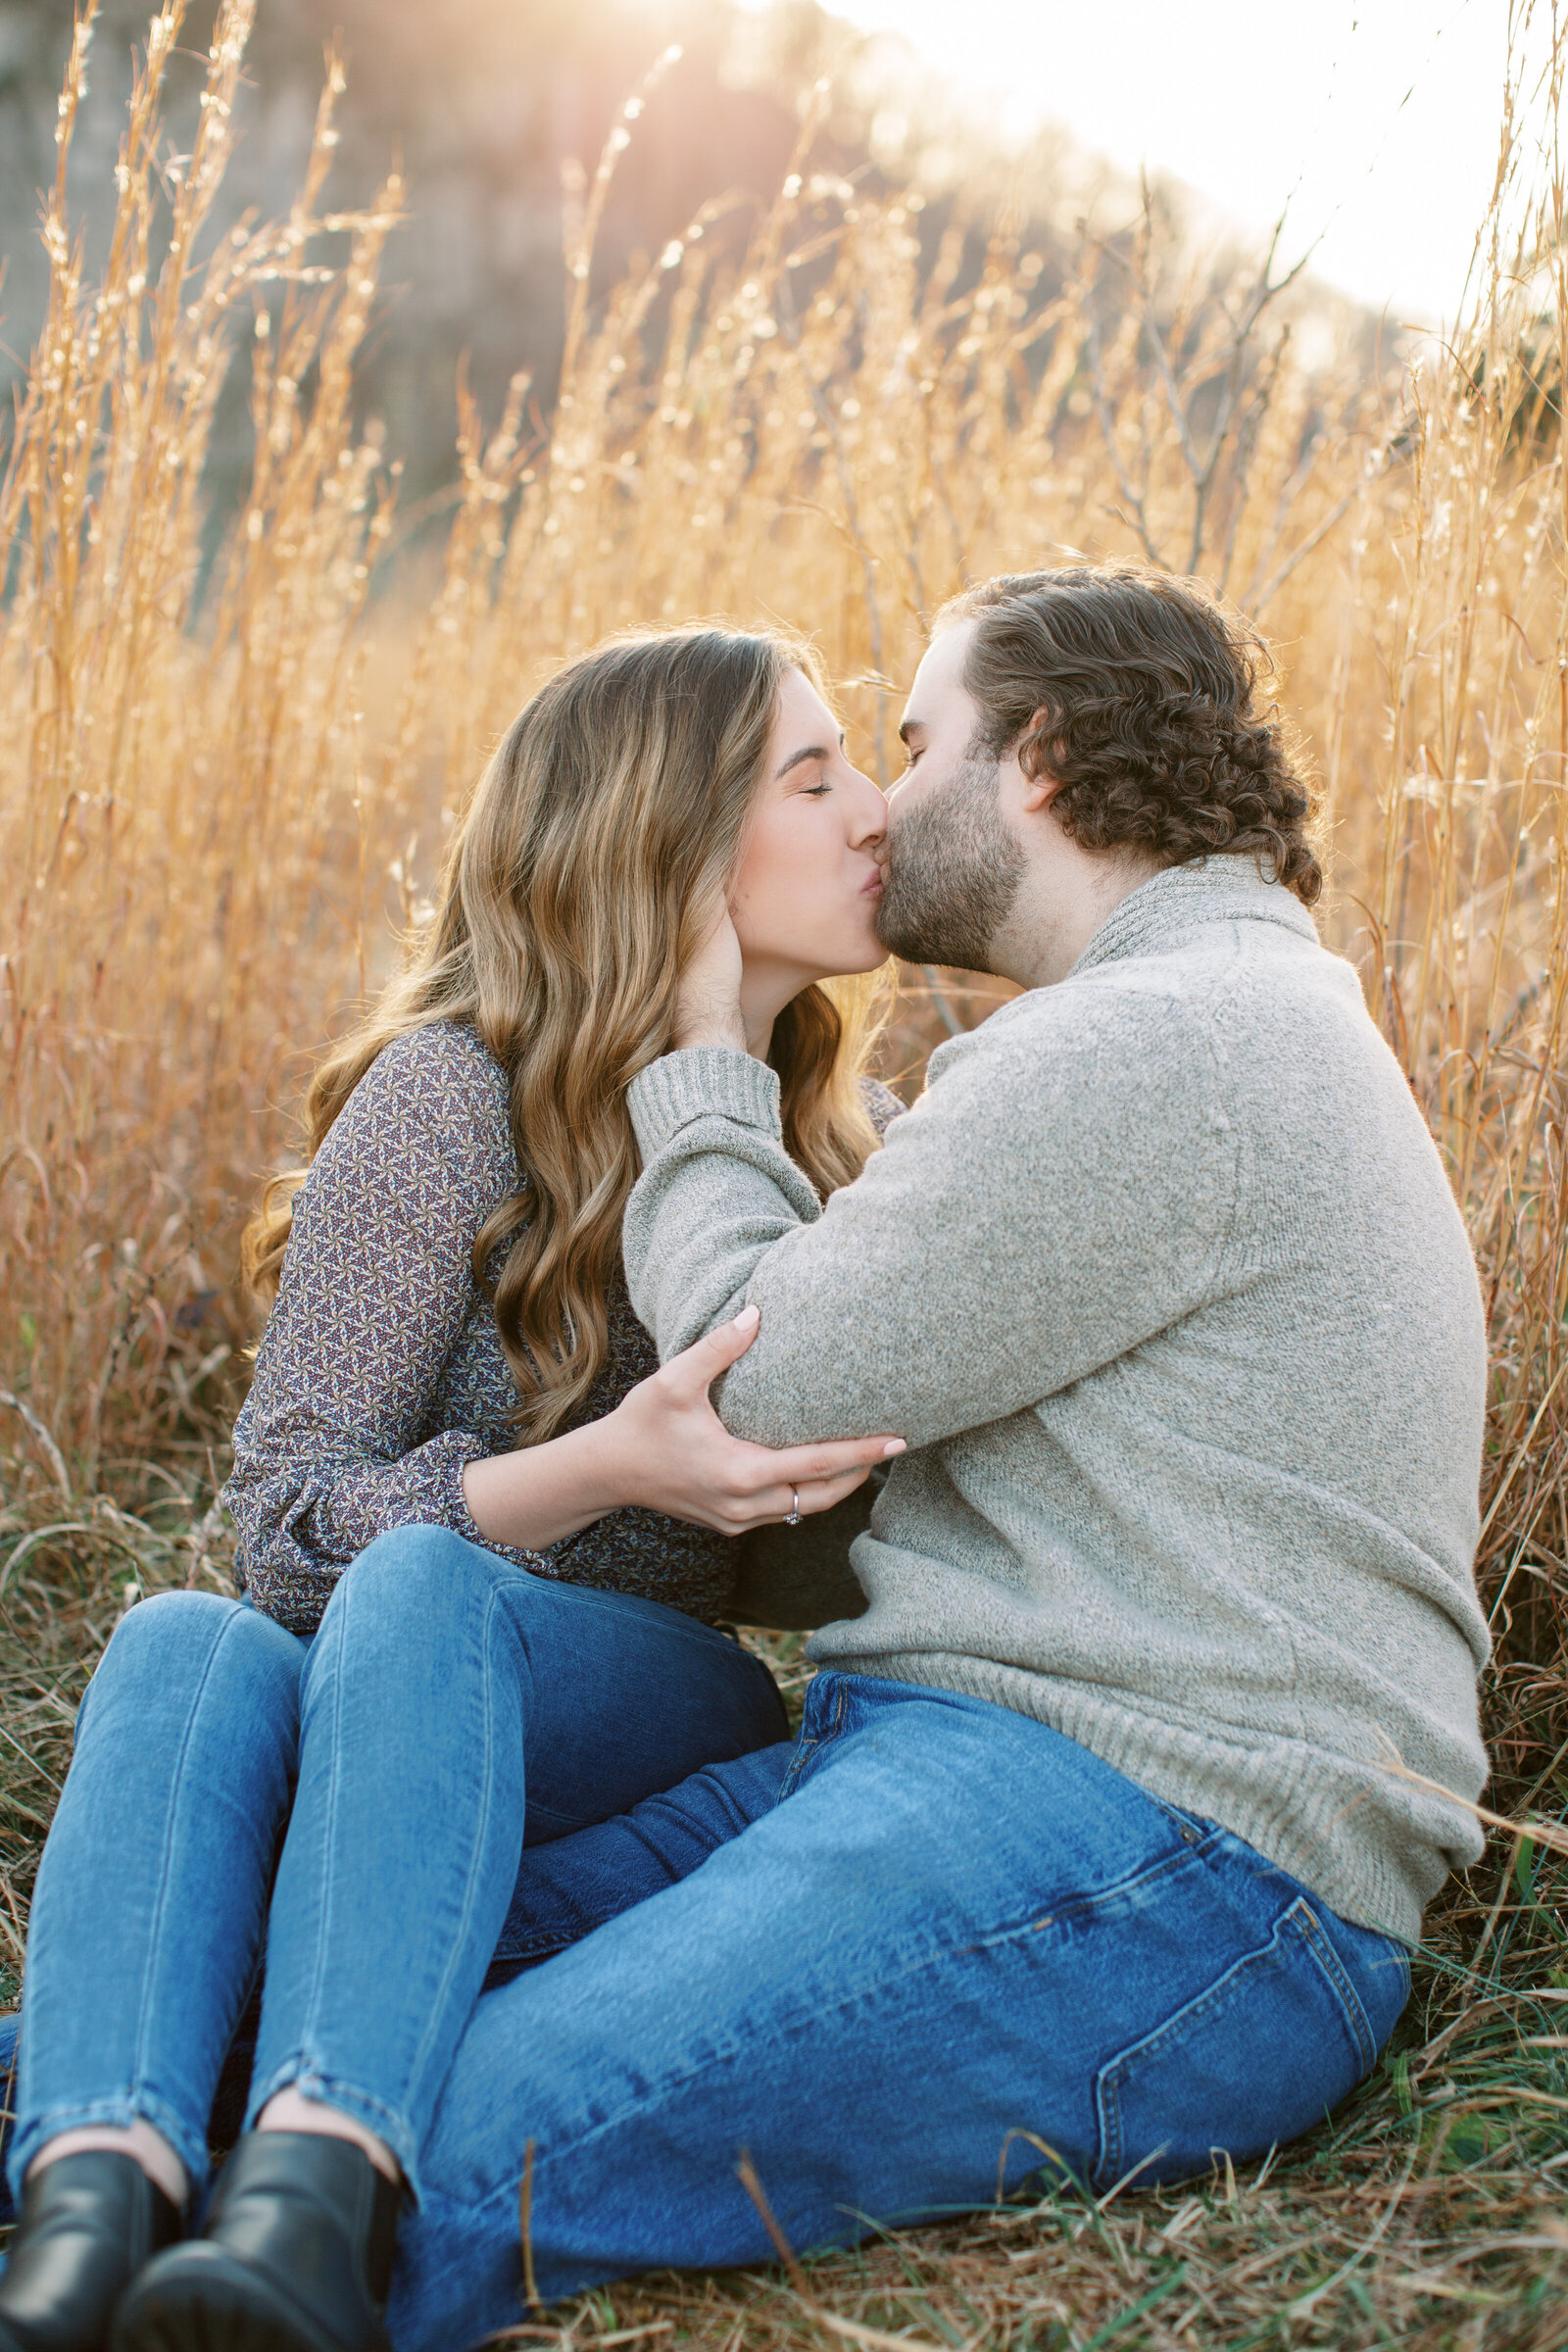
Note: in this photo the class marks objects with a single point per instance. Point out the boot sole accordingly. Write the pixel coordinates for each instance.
(208, 2301)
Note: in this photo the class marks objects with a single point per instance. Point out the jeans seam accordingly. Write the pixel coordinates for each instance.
(808, 1744)
(455, 1947)
(1328, 1959)
(137, 2104)
(332, 2090)
(312, 2006)
(138, 2060)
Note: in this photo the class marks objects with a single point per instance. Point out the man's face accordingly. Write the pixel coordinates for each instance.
(952, 861)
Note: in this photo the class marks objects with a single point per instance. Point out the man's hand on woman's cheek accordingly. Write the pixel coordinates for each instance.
(707, 1006)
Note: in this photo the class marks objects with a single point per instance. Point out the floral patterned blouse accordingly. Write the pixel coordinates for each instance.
(380, 1374)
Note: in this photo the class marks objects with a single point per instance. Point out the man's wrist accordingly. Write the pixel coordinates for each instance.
(698, 1083)
(726, 1032)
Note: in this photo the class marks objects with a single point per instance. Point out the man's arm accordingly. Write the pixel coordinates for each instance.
(1059, 1193)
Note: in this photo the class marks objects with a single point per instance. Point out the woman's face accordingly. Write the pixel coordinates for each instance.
(805, 892)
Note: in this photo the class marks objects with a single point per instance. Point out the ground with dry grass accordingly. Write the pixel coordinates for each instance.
(225, 783)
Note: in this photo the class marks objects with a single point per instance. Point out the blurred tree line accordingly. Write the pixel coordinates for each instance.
(484, 105)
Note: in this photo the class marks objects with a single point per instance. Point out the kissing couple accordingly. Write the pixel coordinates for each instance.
(1114, 1413)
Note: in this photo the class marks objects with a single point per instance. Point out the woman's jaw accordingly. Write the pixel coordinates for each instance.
(807, 888)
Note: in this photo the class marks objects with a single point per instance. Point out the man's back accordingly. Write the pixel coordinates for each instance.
(1165, 1283)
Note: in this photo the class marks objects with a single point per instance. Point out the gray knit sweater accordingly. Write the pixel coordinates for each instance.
(1164, 1283)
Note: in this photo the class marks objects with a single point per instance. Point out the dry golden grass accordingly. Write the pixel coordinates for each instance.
(223, 784)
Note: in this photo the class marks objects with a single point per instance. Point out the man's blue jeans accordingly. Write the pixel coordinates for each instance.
(926, 1950)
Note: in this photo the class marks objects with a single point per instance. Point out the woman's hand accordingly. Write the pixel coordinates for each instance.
(708, 1001)
(675, 1454)
(665, 1448)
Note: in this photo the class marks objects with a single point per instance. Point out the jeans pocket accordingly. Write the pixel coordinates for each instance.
(1261, 2054)
(826, 1700)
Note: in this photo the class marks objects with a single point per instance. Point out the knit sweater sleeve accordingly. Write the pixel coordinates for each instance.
(1060, 1193)
(377, 1288)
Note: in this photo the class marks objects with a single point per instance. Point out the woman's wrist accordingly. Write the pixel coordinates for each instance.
(540, 1495)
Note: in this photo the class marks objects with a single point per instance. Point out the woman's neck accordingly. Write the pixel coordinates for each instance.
(764, 994)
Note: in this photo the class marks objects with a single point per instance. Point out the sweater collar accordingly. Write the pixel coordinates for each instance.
(1165, 910)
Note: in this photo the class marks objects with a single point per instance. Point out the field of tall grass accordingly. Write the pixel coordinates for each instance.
(228, 757)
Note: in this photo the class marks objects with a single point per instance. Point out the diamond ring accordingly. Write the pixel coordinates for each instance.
(793, 1517)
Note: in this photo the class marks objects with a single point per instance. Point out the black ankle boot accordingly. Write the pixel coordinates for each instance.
(295, 2256)
(88, 2224)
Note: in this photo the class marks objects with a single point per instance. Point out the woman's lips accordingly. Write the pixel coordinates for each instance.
(871, 888)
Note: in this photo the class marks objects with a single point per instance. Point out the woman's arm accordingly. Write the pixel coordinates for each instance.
(377, 1288)
(664, 1448)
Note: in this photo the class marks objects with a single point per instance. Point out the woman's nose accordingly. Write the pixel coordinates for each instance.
(868, 814)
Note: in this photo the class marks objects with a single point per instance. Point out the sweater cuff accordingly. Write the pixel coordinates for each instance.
(705, 1082)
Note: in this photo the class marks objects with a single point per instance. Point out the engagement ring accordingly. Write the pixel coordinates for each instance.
(794, 1518)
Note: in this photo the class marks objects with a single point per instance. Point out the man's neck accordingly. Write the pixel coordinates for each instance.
(1060, 904)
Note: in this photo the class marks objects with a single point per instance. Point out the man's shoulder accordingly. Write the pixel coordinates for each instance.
(1140, 1009)
(1243, 969)
(1200, 1032)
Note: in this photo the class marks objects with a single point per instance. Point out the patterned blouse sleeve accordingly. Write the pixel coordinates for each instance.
(882, 1105)
(377, 1286)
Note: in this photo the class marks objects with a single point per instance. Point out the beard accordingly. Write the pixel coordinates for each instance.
(952, 873)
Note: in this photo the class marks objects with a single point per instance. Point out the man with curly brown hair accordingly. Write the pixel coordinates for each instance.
(1117, 1806)
(1122, 702)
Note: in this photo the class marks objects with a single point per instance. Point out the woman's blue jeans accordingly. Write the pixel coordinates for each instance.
(929, 1948)
(388, 1772)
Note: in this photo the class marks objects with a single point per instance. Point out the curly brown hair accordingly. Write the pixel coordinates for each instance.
(1136, 691)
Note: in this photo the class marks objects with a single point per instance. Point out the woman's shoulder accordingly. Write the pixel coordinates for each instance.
(437, 1087)
(880, 1104)
(438, 1057)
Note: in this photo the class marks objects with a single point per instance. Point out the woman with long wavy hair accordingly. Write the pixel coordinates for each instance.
(490, 1548)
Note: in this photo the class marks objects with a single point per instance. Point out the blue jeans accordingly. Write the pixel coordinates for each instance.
(388, 1772)
(950, 1946)
(929, 1948)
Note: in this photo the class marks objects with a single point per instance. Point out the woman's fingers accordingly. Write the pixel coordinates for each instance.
(775, 1503)
(694, 1371)
(822, 1494)
(804, 1465)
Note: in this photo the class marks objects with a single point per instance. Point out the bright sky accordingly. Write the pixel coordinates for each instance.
(1376, 120)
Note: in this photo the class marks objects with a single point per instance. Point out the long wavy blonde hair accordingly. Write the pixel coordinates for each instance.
(588, 866)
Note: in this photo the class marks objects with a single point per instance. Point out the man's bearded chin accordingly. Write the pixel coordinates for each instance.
(953, 873)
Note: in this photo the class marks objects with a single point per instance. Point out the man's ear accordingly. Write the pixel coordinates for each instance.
(1039, 788)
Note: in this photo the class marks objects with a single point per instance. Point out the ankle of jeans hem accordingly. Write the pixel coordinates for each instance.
(118, 2113)
(361, 2106)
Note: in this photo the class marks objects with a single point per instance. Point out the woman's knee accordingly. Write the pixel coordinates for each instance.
(414, 1570)
(199, 1640)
